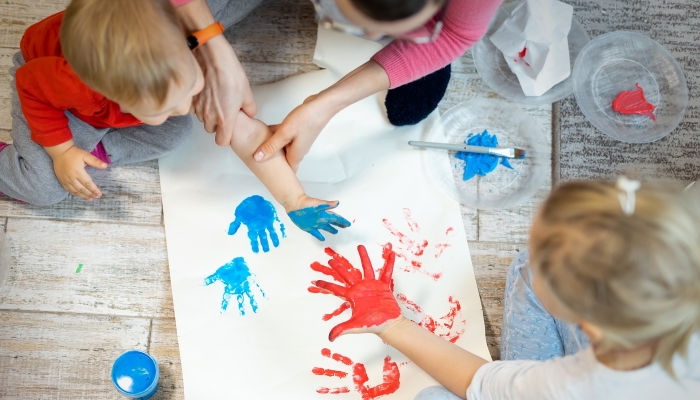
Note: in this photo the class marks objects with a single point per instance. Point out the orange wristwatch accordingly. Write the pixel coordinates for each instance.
(198, 38)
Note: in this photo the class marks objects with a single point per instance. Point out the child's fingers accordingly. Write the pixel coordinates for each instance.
(75, 192)
(80, 188)
(86, 181)
(94, 162)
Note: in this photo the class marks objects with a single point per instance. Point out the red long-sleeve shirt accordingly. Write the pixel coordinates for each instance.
(47, 87)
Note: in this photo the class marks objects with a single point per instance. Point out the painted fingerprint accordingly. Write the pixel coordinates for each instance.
(238, 281)
(450, 326)
(411, 248)
(391, 377)
(259, 216)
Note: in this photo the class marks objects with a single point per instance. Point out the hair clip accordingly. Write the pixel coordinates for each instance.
(627, 189)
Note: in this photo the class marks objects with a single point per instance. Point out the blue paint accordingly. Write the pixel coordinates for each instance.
(259, 216)
(481, 164)
(237, 279)
(135, 375)
(311, 219)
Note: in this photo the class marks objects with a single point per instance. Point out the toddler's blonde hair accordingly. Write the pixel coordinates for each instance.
(636, 277)
(124, 49)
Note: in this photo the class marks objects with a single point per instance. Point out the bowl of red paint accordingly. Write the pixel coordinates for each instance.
(630, 87)
(135, 375)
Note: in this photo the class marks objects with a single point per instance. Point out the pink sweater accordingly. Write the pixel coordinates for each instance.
(465, 23)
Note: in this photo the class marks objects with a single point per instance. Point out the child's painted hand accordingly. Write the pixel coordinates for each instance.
(311, 214)
(374, 307)
(69, 166)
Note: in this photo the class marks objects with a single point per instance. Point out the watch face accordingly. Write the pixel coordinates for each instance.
(192, 42)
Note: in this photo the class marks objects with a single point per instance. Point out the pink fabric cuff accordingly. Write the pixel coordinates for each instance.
(178, 3)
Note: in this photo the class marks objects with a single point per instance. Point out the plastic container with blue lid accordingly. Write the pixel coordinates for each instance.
(135, 375)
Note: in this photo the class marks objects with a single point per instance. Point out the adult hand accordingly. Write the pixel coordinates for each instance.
(297, 132)
(226, 90)
(374, 307)
(69, 167)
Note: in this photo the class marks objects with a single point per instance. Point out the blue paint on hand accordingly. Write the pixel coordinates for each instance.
(237, 279)
(481, 164)
(311, 219)
(259, 216)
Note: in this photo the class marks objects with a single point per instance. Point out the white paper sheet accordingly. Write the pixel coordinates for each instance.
(534, 42)
(381, 182)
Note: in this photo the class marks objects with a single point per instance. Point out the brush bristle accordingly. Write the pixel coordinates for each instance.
(519, 154)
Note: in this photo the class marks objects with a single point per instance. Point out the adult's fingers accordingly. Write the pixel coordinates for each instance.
(366, 263)
(271, 146)
(248, 106)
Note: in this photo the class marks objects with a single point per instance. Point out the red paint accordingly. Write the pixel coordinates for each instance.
(391, 378)
(410, 221)
(325, 390)
(317, 266)
(336, 312)
(314, 289)
(634, 102)
(443, 326)
(522, 52)
(329, 372)
(390, 382)
(342, 261)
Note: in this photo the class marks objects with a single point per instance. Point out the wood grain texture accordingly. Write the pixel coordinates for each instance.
(124, 269)
(261, 73)
(281, 31)
(587, 153)
(5, 117)
(5, 136)
(130, 194)
(5, 65)
(57, 356)
(164, 347)
(17, 15)
(491, 262)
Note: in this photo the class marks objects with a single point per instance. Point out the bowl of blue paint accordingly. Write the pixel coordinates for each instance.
(135, 375)
(482, 181)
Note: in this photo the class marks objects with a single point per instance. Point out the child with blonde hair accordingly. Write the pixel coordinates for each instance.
(112, 82)
(620, 262)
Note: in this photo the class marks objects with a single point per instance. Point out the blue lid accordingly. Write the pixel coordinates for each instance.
(135, 373)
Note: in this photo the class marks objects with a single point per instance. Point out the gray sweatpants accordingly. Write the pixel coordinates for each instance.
(26, 170)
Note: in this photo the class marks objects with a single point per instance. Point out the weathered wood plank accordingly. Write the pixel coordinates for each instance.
(164, 347)
(55, 356)
(281, 31)
(491, 262)
(130, 194)
(5, 77)
(17, 15)
(5, 117)
(124, 269)
(512, 225)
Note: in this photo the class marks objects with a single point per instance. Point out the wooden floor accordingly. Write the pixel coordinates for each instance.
(90, 280)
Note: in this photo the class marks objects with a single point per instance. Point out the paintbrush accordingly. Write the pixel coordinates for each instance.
(509, 152)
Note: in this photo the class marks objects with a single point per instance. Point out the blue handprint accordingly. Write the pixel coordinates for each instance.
(311, 219)
(238, 279)
(259, 216)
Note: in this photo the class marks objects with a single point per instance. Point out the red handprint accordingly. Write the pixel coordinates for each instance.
(444, 325)
(390, 384)
(372, 301)
(412, 250)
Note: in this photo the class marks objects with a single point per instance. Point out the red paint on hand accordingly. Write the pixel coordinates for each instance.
(634, 102)
(443, 326)
(372, 301)
(342, 262)
(336, 312)
(391, 377)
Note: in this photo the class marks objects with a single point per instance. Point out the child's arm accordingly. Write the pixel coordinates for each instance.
(306, 212)
(69, 163)
(375, 310)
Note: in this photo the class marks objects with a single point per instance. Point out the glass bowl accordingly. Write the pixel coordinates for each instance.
(503, 187)
(617, 62)
(494, 70)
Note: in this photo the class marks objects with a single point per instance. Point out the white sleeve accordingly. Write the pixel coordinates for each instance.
(522, 380)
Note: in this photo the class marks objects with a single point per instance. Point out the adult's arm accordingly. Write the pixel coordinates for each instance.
(226, 88)
(400, 62)
(466, 21)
